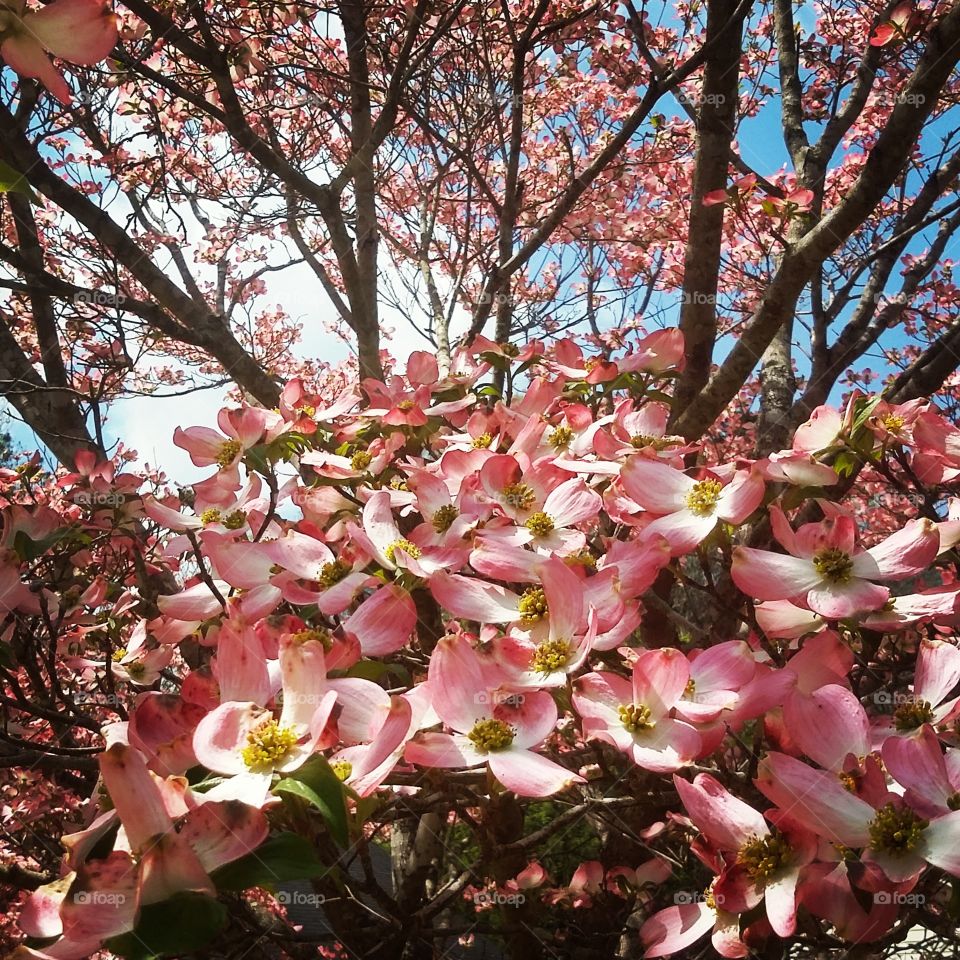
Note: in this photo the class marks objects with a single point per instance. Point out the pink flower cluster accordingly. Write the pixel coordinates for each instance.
(442, 578)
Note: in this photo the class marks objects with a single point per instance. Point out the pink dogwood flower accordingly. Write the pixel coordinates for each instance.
(889, 831)
(675, 928)
(687, 510)
(636, 716)
(825, 569)
(247, 742)
(761, 863)
(79, 31)
(497, 731)
(243, 428)
(936, 677)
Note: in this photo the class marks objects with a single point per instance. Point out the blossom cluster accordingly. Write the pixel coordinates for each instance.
(442, 573)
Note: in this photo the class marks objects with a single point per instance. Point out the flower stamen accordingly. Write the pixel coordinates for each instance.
(896, 830)
(636, 717)
(834, 565)
(702, 499)
(532, 605)
(410, 549)
(267, 745)
(540, 524)
(491, 735)
(764, 857)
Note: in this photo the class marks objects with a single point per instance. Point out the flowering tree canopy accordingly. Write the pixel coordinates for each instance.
(489, 628)
(620, 622)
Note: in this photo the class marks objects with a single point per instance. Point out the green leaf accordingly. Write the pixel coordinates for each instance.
(843, 464)
(368, 670)
(316, 783)
(29, 549)
(256, 459)
(281, 859)
(869, 404)
(527, 364)
(185, 923)
(366, 807)
(12, 181)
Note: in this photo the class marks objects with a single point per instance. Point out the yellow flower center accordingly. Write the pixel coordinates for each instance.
(361, 460)
(398, 483)
(532, 605)
(268, 745)
(210, 515)
(892, 422)
(539, 524)
(136, 669)
(405, 405)
(560, 437)
(690, 689)
(640, 440)
(909, 716)
(228, 452)
(833, 565)
(896, 831)
(582, 558)
(323, 637)
(341, 769)
(703, 497)
(509, 349)
(848, 780)
(764, 857)
(444, 517)
(845, 853)
(235, 520)
(636, 717)
(491, 735)
(118, 654)
(410, 549)
(482, 442)
(520, 495)
(333, 572)
(550, 655)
